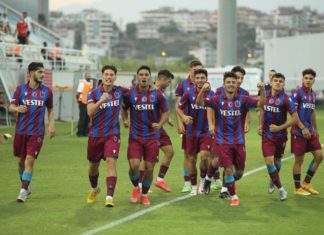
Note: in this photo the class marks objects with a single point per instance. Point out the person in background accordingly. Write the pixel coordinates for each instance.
(81, 96)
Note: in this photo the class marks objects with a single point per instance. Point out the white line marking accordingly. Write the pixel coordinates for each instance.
(153, 208)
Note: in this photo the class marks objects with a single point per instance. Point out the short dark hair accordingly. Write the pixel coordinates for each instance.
(238, 69)
(33, 66)
(279, 75)
(194, 63)
(199, 71)
(107, 66)
(144, 67)
(165, 73)
(309, 71)
(229, 75)
(272, 70)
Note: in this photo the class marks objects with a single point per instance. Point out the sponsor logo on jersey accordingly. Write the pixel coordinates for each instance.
(143, 107)
(195, 106)
(270, 108)
(112, 103)
(308, 106)
(230, 113)
(33, 102)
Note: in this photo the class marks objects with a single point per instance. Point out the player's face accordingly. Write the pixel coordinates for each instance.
(87, 76)
(277, 84)
(308, 80)
(230, 85)
(239, 79)
(193, 69)
(200, 80)
(143, 77)
(38, 75)
(165, 82)
(108, 77)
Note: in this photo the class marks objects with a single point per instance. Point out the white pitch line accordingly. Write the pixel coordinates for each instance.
(153, 208)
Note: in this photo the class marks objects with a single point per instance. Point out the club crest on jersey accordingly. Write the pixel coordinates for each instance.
(144, 99)
(34, 93)
(277, 102)
(271, 101)
(109, 96)
(237, 104)
(230, 104)
(152, 98)
(117, 95)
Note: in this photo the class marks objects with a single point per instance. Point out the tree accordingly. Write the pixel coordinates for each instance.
(131, 30)
(245, 41)
(171, 28)
(78, 36)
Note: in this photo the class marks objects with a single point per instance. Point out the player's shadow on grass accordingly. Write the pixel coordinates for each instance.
(213, 207)
(13, 208)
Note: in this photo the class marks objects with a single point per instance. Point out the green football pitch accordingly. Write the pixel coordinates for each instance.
(60, 186)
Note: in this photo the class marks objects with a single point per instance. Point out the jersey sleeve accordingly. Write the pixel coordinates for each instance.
(91, 97)
(184, 100)
(250, 102)
(211, 101)
(15, 97)
(163, 102)
(290, 105)
(296, 97)
(179, 89)
(49, 100)
(126, 99)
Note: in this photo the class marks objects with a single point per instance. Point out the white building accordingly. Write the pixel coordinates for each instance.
(291, 55)
(146, 29)
(293, 18)
(206, 53)
(265, 32)
(186, 21)
(98, 31)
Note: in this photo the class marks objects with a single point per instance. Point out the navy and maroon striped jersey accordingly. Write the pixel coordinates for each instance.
(36, 100)
(105, 122)
(229, 117)
(146, 108)
(199, 127)
(275, 112)
(183, 87)
(304, 100)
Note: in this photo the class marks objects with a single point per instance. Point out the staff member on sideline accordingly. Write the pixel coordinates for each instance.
(81, 96)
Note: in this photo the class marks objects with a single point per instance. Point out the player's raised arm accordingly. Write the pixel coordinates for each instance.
(92, 107)
(199, 99)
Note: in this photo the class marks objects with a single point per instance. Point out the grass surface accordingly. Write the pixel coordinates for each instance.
(60, 186)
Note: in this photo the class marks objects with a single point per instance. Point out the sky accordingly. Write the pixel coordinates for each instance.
(125, 11)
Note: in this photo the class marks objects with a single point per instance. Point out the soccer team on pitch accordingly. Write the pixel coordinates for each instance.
(212, 124)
